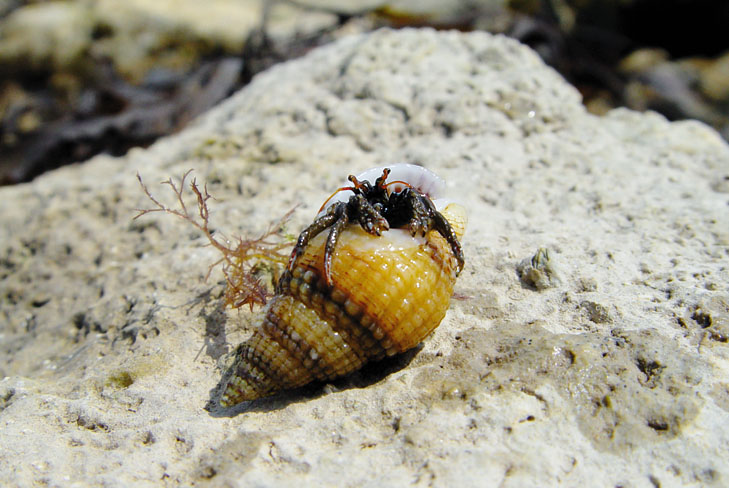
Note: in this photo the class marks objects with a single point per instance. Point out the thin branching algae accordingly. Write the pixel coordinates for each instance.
(242, 263)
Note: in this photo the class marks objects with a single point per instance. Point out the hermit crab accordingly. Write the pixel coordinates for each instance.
(371, 277)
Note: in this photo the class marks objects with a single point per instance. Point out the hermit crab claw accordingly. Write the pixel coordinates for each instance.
(377, 226)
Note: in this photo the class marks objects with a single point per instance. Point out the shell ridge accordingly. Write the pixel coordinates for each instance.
(352, 330)
(247, 382)
(255, 356)
(314, 339)
(370, 313)
(360, 338)
(278, 338)
(383, 306)
(266, 380)
(300, 349)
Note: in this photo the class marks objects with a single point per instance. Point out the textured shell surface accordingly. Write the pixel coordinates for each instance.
(386, 295)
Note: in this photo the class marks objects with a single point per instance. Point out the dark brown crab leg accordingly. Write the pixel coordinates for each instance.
(425, 217)
(444, 228)
(326, 220)
(337, 217)
(339, 224)
(423, 211)
(367, 216)
(436, 221)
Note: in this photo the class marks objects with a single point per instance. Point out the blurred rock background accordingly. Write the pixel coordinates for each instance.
(83, 77)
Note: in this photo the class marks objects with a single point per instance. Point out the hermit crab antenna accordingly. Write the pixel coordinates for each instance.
(380, 182)
(398, 182)
(344, 188)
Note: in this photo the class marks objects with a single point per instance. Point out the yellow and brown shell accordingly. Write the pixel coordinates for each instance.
(388, 293)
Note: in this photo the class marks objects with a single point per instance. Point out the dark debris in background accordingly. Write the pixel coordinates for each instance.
(671, 56)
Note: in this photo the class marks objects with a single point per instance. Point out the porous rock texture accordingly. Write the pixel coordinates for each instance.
(586, 343)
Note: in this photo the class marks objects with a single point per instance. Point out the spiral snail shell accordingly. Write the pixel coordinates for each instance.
(383, 294)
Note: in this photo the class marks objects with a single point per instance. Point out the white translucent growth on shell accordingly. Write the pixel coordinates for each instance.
(422, 179)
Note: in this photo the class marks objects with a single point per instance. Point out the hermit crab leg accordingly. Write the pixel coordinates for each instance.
(327, 220)
(424, 216)
(339, 224)
(444, 228)
(423, 212)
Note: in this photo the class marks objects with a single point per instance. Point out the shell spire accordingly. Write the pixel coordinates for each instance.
(386, 294)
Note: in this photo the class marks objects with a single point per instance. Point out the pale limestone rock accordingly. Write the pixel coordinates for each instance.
(614, 375)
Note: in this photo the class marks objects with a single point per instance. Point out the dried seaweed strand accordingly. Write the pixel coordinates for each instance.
(240, 264)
